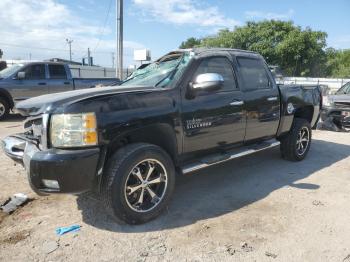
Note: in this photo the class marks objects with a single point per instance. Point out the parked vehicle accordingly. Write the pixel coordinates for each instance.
(276, 73)
(23, 81)
(189, 110)
(336, 111)
(344, 90)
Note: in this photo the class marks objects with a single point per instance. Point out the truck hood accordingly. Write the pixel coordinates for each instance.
(339, 101)
(339, 98)
(49, 103)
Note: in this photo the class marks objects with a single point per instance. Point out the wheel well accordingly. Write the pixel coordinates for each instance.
(161, 135)
(4, 94)
(306, 113)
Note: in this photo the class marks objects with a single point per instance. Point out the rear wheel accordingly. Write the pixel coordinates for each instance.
(139, 182)
(296, 144)
(4, 108)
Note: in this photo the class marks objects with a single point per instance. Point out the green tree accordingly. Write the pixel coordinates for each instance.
(299, 52)
(338, 63)
(190, 43)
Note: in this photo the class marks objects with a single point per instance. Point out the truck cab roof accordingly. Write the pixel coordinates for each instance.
(236, 52)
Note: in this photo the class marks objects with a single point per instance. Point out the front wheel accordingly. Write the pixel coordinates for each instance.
(139, 182)
(296, 144)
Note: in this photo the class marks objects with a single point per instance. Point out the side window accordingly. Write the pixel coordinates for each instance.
(253, 73)
(35, 72)
(57, 72)
(221, 66)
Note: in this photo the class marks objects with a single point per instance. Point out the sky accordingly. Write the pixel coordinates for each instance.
(32, 29)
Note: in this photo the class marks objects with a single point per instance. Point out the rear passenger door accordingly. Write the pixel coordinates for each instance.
(58, 79)
(261, 97)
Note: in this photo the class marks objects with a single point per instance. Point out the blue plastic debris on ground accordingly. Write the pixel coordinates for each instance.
(63, 230)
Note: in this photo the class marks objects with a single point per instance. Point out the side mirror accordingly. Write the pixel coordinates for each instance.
(21, 75)
(208, 82)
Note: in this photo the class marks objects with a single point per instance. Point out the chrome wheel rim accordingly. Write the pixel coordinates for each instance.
(146, 185)
(303, 141)
(2, 109)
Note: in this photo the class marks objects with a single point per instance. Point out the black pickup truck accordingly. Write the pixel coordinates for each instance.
(189, 110)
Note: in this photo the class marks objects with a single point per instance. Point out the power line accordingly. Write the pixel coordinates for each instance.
(104, 24)
(31, 47)
(54, 49)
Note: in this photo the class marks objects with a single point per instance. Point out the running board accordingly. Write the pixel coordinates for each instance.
(236, 153)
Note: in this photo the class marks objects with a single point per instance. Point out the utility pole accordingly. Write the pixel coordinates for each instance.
(69, 42)
(119, 70)
(89, 57)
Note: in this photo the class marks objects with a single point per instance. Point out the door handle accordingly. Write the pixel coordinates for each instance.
(42, 84)
(66, 83)
(272, 98)
(237, 103)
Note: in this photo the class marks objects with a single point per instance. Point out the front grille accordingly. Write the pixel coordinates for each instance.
(342, 105)
(34, 129)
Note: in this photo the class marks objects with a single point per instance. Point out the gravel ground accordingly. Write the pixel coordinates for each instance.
(257, 208)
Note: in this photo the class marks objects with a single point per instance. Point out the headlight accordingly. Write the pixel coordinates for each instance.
(73, 130)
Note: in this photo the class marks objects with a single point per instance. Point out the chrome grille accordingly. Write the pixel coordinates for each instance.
(36, 130)
(342, 105)
(33, 128)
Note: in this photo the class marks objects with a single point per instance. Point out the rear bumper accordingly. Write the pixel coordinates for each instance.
(67, 171)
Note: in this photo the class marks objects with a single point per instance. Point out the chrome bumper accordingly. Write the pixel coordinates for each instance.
(14, 147)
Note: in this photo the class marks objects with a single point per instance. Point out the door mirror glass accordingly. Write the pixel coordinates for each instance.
(208, 82)
(21, 75)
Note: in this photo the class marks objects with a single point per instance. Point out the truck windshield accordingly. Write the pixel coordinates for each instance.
(344, 90)
(160, 73)
(10, 71)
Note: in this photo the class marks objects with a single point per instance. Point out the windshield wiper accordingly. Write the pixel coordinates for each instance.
(171, 73)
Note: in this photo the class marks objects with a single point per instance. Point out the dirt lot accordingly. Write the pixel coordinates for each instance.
(258, 208)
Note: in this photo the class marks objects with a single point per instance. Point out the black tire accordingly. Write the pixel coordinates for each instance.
(119, 173)
(290, 143)
(4, 108)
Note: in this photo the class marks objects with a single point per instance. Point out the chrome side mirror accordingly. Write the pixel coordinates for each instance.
(208, 82)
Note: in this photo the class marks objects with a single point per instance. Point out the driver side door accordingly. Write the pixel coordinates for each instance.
(34, 84)
(213, 120)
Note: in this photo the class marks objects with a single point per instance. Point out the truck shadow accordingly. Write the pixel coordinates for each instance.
(226, 188)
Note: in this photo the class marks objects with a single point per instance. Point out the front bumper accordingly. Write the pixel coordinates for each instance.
(73, 171)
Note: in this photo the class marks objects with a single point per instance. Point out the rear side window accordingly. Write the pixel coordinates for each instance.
(221, 66)
(34, 72)
(253, 73)
(57, 72)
